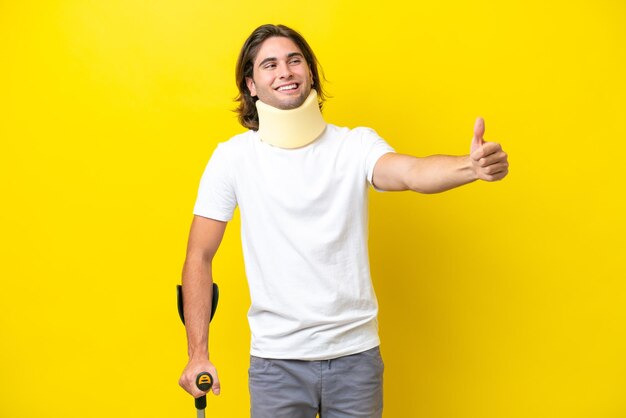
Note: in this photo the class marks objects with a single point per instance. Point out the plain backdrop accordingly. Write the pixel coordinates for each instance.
(502, 300)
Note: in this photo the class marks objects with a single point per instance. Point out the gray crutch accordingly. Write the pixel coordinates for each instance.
(204, 380)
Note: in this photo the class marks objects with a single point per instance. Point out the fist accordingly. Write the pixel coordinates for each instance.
(489, 161)
(188, 378)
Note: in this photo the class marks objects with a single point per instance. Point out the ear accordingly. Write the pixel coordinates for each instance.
(251, 86)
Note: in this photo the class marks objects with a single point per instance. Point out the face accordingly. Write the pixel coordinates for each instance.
(281, 76)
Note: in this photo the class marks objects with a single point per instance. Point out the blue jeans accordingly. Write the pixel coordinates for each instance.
(345, 387)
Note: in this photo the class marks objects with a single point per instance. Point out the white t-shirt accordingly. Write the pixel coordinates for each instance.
(304, 236)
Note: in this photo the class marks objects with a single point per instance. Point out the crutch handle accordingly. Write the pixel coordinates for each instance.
(204, 381)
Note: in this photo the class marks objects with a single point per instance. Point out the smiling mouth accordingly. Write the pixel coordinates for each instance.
(288, 87)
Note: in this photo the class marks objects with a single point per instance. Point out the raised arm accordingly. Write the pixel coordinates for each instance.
(205, 237)
(437, 173)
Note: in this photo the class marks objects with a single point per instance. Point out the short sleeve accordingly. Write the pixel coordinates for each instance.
(375, 147)
(216, 194)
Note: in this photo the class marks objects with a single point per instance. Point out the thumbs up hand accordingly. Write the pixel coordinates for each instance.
(489, 161)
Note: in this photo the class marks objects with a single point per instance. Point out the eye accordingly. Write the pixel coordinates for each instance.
(295, 61)
(269, 65)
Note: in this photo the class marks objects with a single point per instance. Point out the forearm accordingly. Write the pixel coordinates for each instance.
(197, 296)
(433, 174)
(438, 173)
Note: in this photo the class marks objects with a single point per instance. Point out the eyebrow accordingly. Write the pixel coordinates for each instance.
(290, 55)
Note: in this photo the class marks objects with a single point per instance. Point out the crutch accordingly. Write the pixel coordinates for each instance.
(204, 380)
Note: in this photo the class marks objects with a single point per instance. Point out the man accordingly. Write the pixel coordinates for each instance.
(301, 186)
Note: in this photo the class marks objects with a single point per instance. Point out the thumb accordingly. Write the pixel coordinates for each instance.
(216, 388)
(479, 131)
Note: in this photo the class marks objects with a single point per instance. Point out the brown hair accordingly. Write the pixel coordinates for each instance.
(247, 113)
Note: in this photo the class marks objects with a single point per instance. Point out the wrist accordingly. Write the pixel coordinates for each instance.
(470, 168)
(199, 358)
(198, 353)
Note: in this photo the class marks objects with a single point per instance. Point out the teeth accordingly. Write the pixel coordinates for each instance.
(289, 87)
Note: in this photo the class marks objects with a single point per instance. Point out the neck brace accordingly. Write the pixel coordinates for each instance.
(292, 128)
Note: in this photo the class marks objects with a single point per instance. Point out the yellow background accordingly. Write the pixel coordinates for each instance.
(497, 300)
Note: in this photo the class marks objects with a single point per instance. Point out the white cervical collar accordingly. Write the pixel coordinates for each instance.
(292, 128)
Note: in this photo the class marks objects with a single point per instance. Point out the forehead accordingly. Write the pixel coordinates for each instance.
(276, 47)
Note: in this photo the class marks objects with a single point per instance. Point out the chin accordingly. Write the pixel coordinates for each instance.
(288, 106)
(292, 103)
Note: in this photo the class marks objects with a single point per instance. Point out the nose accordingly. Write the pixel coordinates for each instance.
(284, 71)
